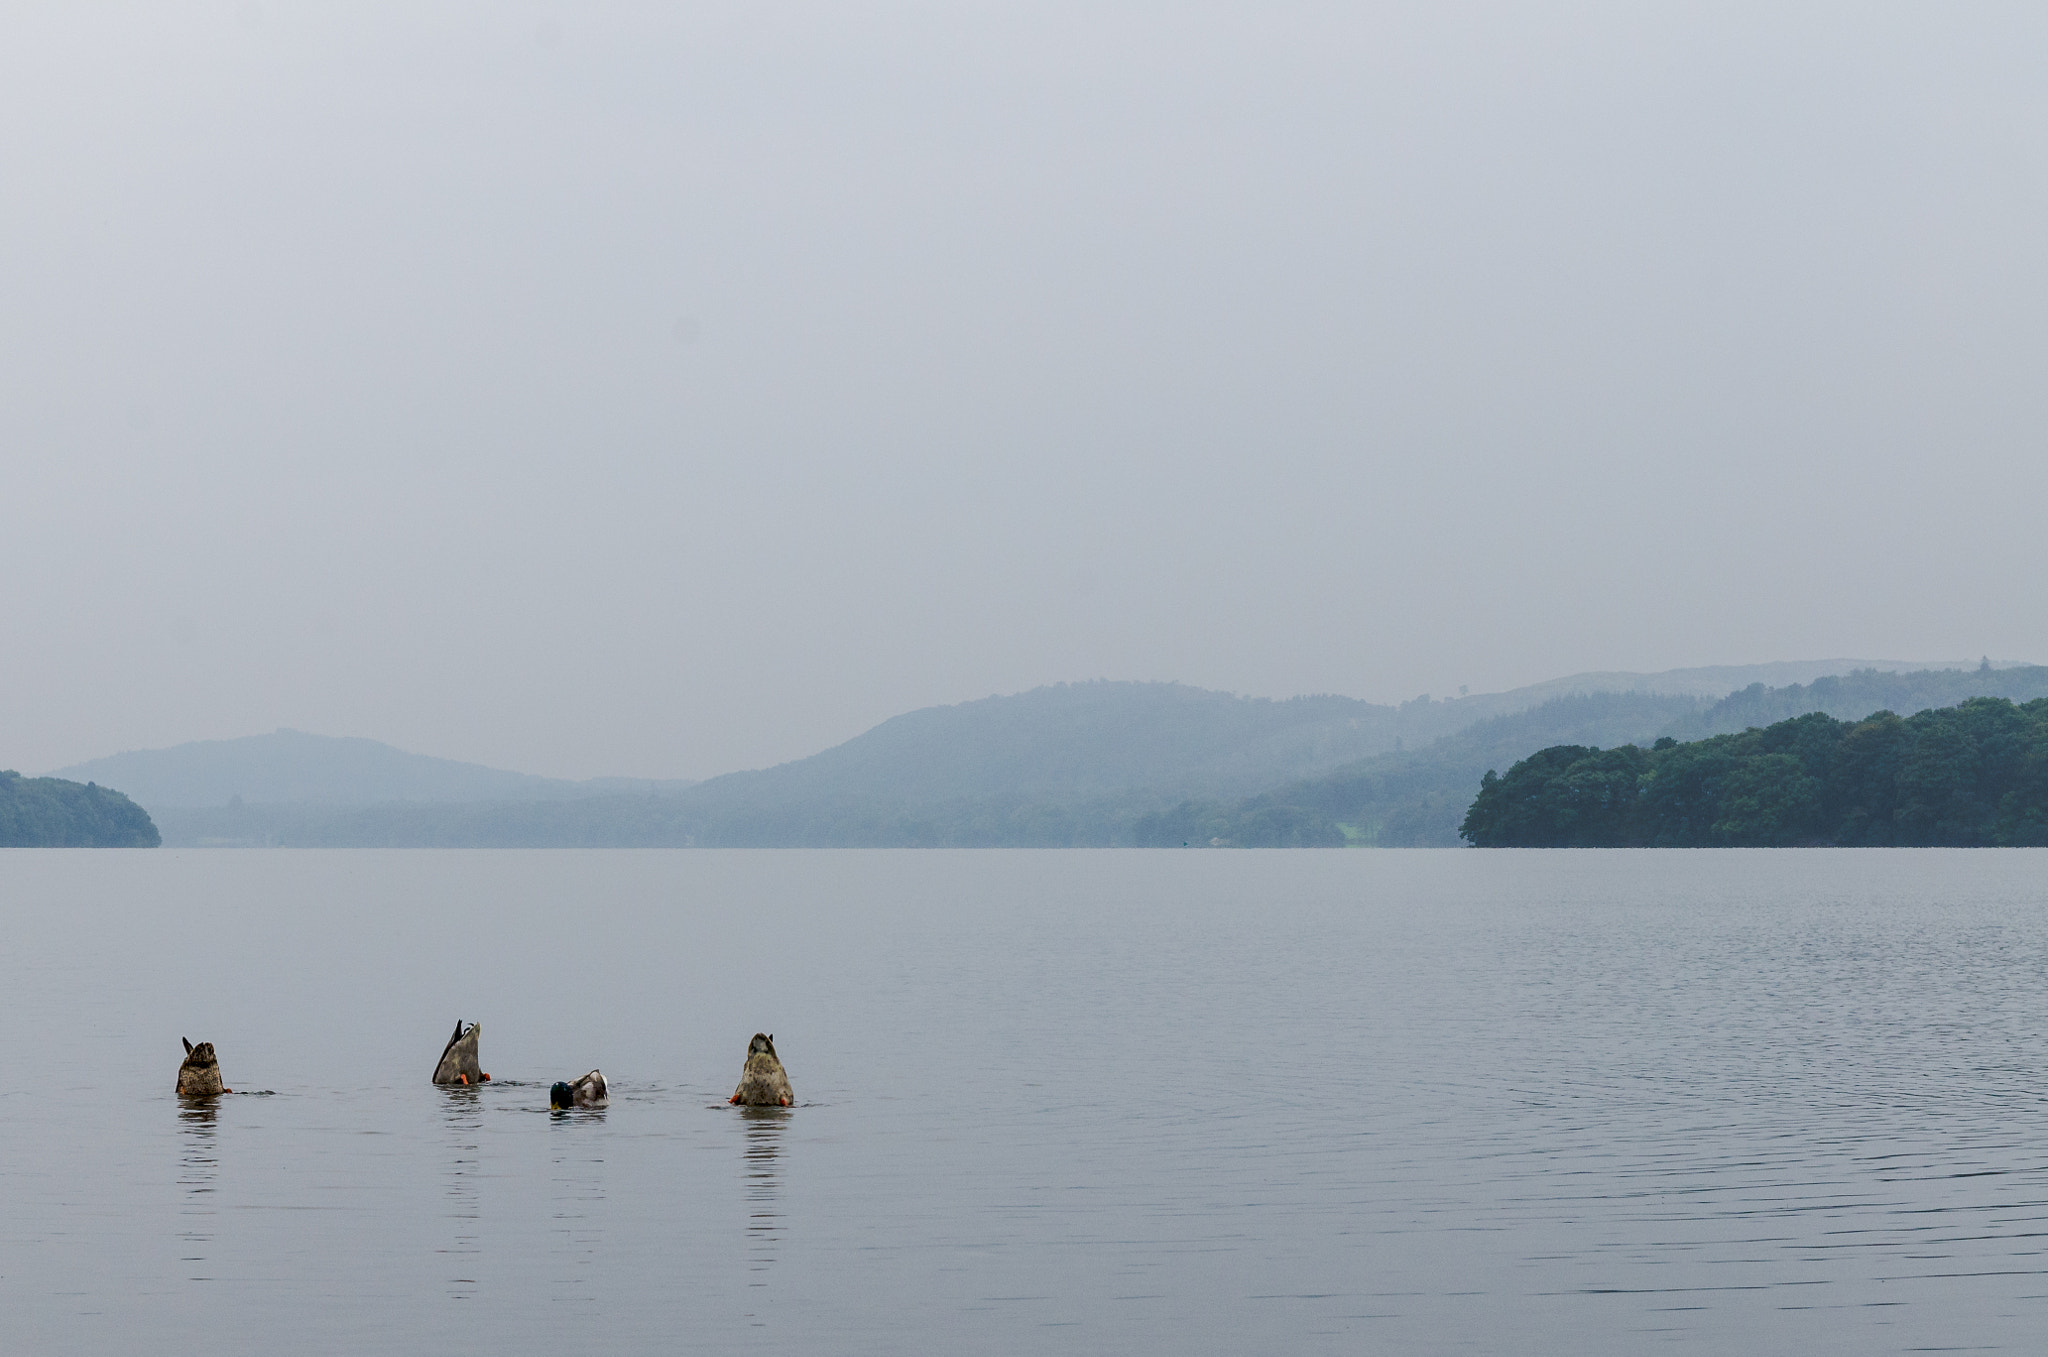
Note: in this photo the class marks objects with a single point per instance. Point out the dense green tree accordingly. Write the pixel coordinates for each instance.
(1769, 800)
(1969, 775)
(48, 812)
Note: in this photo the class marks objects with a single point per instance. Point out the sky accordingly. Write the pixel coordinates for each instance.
(665, 389)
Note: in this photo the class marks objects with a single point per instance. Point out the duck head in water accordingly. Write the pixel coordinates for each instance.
(589, 1091)
(199, 1076)
(459, 1059)
(763, 1083)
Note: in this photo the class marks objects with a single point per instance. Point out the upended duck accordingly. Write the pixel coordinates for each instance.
(199, 1076)
(589, 1091)
(763, 1083)
(459, 1059)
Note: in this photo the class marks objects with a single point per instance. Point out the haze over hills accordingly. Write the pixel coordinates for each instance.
(1719, 680)
(1417, 799)
(1063, 746)
(1855, 695)
(291, 766)
(1082, 763)
(1065, 740)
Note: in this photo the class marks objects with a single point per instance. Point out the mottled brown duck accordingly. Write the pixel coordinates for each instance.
(199, 1076)
(763, 1083)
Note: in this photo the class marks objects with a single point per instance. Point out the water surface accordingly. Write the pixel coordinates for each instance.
(1124, 1101)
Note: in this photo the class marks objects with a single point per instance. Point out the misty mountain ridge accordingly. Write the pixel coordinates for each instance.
(1067, 764)
(1061, 742)
(1854, 695)
(1418, 798)
(1720, 680)
(1087, 739)
(1075, 742)
(292, 766)
(1415, 798)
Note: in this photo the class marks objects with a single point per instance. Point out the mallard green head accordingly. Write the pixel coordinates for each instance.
(561, 1095)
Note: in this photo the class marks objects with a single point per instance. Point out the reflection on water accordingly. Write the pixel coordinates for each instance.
(764, 1127)
(1203, 1103)
(198, 1175)
(576, 1225)
(462, 1125)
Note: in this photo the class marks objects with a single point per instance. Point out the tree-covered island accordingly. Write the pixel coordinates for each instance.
(1973, 775)
(48, 812)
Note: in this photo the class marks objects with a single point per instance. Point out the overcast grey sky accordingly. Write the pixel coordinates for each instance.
(664, 389)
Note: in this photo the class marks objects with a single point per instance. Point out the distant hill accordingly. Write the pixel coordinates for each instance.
(1418, 798)
(1855, 695)
(1068, 765)
(1074, 741)
(293, 766)
(1718, 680)
(48, 812)
(1057, 743)
(1053, 766)
(1061, 744)
(1413, 799)
(1069, 743)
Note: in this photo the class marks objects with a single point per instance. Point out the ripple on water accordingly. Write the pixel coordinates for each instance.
(1591, 1103)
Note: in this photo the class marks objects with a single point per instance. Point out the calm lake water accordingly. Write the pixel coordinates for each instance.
(1171, 1102)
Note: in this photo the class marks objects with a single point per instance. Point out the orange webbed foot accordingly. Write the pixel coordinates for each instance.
(486, 1079)
(462, 1079)
(734, 1098)
(785, 1102)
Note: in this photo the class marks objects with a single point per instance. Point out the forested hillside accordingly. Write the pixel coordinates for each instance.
(1853, 696)
(1089, 764)
(1411, 799)
(1066, 765)
(48, 812)
(1074, 765)
(1974, 775)
(1417, 798)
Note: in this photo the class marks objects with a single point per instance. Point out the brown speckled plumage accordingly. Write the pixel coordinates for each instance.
(459, 1058)
(763, 1083)
(589, 1091)
(199, 1076)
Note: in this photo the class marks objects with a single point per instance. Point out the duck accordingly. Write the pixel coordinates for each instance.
(199, 1076)
(763, 1083)
(459, 1059)
(589, 1091)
